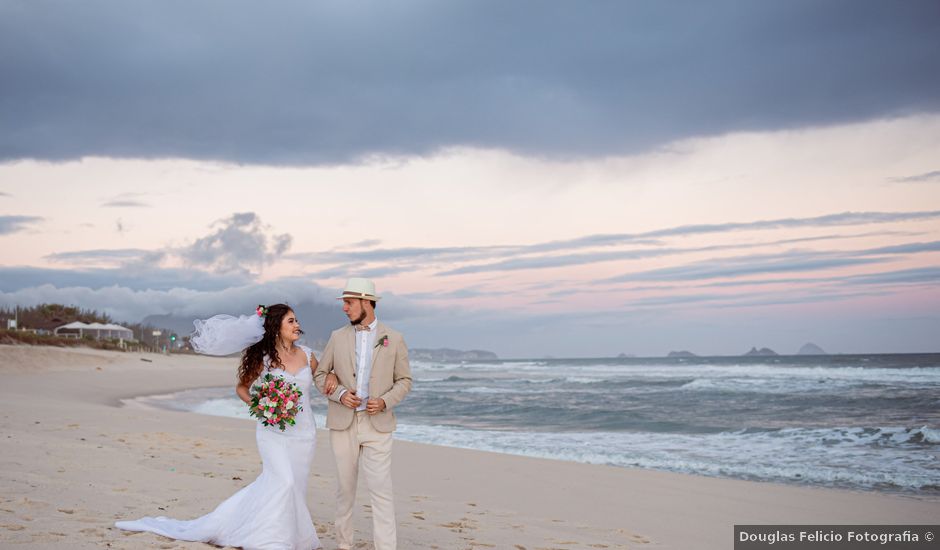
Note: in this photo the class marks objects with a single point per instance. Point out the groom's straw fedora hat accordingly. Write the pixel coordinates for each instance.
(359, 288)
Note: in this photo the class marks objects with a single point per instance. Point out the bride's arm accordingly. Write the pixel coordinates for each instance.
(324, 368)
(241, 390)
(331, 380)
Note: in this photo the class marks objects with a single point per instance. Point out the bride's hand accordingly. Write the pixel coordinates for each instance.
(331, 383)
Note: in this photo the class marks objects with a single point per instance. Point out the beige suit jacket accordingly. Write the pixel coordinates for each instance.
(390, 379)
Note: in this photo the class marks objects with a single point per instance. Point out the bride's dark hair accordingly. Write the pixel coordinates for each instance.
(253, 356)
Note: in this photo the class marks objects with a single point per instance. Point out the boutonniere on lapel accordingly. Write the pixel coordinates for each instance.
(382, 342)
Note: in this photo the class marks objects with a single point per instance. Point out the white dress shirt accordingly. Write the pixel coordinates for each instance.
(365, 342)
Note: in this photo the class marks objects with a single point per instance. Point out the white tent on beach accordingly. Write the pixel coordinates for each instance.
(95, 330)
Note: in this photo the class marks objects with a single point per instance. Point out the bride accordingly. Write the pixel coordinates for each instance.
(271, 512)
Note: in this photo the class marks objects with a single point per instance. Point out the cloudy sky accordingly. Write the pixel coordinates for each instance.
(532, 178)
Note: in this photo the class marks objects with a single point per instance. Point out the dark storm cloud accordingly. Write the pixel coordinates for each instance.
(787, 262)
(914, 276)
(358, 270)
(106, 255)
(127, 200)
(240, 243)
(125, 204)
(13, 279)
(743, 266)
(919, 178)
(751, 300)
(15, 224)
(581, 250)
(565, 260)
(310, 82)
(898, 277)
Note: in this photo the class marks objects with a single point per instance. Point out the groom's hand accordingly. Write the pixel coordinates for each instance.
(350, 400)
(375, 406)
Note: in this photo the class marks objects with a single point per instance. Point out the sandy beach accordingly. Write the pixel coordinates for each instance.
(75, 459)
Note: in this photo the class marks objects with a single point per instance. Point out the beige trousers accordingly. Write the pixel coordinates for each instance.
(361, 443)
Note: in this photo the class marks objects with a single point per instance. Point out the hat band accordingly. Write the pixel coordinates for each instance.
(348, 294)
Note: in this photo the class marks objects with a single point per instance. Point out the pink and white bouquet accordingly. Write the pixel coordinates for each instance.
(275, 402)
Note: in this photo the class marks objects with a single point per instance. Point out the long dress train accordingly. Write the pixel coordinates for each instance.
(270, 513)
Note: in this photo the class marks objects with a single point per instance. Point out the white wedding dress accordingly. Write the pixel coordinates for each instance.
(270, 513)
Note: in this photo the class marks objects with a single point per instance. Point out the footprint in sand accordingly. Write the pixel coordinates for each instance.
(634, 537)
(29, 503)
(418, 515)
(460, 526)
(12, 527)
(89, 520)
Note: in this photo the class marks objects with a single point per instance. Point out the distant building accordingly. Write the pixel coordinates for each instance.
(97, 331)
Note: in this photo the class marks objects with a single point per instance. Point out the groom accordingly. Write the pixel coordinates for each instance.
(371, 362)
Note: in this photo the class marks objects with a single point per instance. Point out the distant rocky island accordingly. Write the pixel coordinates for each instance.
(763, 352)
(810, 348)
(446, 354)
(682, 353)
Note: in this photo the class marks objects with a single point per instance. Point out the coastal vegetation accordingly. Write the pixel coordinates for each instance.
(34, 325)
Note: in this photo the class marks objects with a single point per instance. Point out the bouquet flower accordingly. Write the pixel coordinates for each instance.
(275, 402)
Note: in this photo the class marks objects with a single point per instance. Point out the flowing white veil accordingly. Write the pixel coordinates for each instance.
(226, 334)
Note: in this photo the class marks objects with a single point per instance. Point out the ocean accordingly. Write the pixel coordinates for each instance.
(864, 422)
